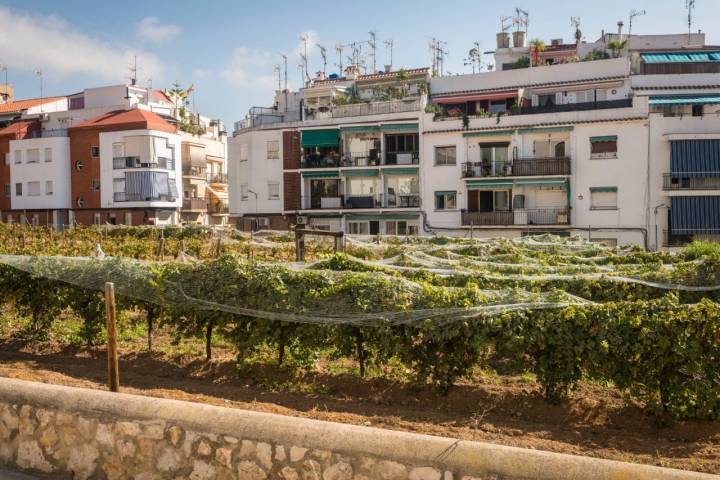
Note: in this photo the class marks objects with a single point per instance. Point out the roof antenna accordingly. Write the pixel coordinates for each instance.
(575, 22)
(323, 54)
(633, 14)
(390, 44)
(339, 47)
(133, 72)
(373, 45)
(690, 5)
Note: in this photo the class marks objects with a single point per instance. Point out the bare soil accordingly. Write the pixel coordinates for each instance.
(597, 421)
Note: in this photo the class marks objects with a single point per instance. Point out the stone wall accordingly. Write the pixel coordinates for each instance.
(93, 434)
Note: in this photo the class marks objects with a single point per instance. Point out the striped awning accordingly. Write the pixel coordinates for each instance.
(489, 185)
(568, 128)
(360, 129)
(603, 189)
(541, 182)
(401, 171)
(685, 100)
(320, 138)
(393, 216)
(694, 215)
(681, 57)
(695, 158)
(489, 133)
(320, 174)
(361, 173)
(606, 138)
(475, 98)
(399, 127)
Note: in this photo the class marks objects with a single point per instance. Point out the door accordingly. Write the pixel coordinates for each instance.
(473, 201)
(375, 227)
(487, 201)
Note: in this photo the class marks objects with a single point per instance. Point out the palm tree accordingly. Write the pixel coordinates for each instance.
(617, 46)
(536, 46)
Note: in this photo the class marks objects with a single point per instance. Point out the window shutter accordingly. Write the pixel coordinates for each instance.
(535, 100)
(559, 98)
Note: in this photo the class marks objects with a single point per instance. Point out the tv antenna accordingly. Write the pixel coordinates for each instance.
(521, 20)
(690, 5)
(390, 44)
(575, 22)
(278, 70)
(323, 54)
(133, 71)
(305, 38)
(339, 47)
(633, 15)
(373, 45)
(439, 52)
(506, 23)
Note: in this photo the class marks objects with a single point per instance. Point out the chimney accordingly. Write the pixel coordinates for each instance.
(388, 68)
(519, 39)
(620, 28)
(320, 75)
(503, 40)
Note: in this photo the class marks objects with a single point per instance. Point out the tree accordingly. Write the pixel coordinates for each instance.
(617, 46)
(536, 46)
(474, 57)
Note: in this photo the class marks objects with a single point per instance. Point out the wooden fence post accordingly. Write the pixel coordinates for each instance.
(113, 368)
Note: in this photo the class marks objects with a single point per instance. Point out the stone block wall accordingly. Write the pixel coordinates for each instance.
(88, 434)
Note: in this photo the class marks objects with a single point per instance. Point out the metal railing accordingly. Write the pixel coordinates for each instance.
(363, 201)
(691, 181)
(362, 109)
(219, 209)
(50, 133)
(402, 158)
(521, 167)
(120, 163)
(673, 240)
(217, 178)
(525, 217)
(195, 204)
(576, 107)
(322, 202)
(195, 172)
(137, 197)
(320, 161)
(402, 200)
(362, 159)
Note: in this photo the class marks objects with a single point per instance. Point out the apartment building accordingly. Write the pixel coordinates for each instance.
(621, 150)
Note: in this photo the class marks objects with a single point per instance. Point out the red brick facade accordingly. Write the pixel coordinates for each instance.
(291, 185)
(291, 150)
(84, 169)
(4, 174)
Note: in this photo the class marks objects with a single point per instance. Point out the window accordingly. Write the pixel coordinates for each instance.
(498, 106)
(18, 156)
(603, 198)
(7, 189)
(18, 189)
(445, 200)
(32, 155)
(358, 228)
(244, 192)
(48, 155)
(445, 155)
(95, 185)
(243, 152)
(494, 153)
(128, 218)
(400, 227)
(9, 218)
(49, 187)
(274, 191)
(273, 150)
(95, 152)
(119, 185)
(118, 150)
(697, 110)
(33, 189)
(96, 218)
(603, 147)
(112, 219)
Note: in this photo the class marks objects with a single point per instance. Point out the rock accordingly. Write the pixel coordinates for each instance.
(125, 449)
(231, 440)
(289, 473)
(310, 470)
(85, 427)
(175, 433)
(104, 435)
(224, 457)
(250, 471)
(4, 432)
(9, 417)
(280, 454)
(322, 455)
(131, 429)
(44, 417)
(114, 471)
(387, 470)
(263, 452)
(247, 450)
(202, 471)
(190, 438)
(83, 461)
(48, 438)
(6, 452)
(169, 460)
(425, 473)
(146, 476)
(146, 447)
(30, 456)
(155, 431)
(27, 421)
(339, 471)
(63, 419)
(448, 476)
(361, 477)
(204, 449)
(297, 453)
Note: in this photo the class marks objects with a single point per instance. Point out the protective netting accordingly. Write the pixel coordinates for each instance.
(404, 280)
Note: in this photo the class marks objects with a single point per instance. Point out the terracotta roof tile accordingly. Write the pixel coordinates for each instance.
(21, 128)
(20, 105)
(134, 119)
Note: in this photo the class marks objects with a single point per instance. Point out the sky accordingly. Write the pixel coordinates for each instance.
(228, 49)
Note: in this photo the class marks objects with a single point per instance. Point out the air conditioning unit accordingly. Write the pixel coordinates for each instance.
(263, 223)
(301, 220)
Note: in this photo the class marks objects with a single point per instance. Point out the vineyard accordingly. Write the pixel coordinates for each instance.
(565, 310)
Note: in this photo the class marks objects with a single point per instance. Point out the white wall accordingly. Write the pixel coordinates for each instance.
(57, 171)
(257, 171)
(435, 178)
(107, 173)
(59, 105)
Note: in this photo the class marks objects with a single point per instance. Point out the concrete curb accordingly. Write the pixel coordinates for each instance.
(454, 455)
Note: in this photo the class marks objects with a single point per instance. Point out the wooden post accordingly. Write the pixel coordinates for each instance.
(218, 247)
(299, 246)
(113, 369)
(339, 244)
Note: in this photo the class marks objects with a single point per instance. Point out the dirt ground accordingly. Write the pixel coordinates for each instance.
(595, 422)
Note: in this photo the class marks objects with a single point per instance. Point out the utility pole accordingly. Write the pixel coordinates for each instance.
(373, 45)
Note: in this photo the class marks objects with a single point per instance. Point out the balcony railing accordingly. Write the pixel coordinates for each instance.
(691, 181)
(363, 201)
(523, 217)
(195, 204)
(217, 178)
(320, 161)
(218, 209)
(136, 197)
(362, 159)
(522, 167)
(362, 109)
(402, 200)
(50, 133)
(402, 158)
(120, 163)
(200, 172)
(577, 107)
(322, 202)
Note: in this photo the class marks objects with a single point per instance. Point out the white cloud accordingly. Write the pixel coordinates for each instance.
(151, 29)
(250, 68)
(29, 41)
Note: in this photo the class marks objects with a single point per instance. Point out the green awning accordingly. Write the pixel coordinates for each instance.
(681, 57)
(449, 192)
(320, 138)
(685, 100)
(320, 174)
(361, 173)
(401, 171)
(491, 185)
(489, 133)
(603, 189)
(541, 182)
(399, 127)
(361, 129)
(569, 128)
(606, 138)
(370, 218)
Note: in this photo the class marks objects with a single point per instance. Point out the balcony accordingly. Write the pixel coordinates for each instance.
(323, 202)
(363, 109)
(219, 209)
(194, 204)
(402, 200)
(691, 181)
(199, 172)
(136, 197)
(121, 163)
(671, 240)
(521, 167)
(320, 161)
(217, 178)
(362, 159)
(402, 158)
(576, 107)
(525, 217)
(50, 133)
